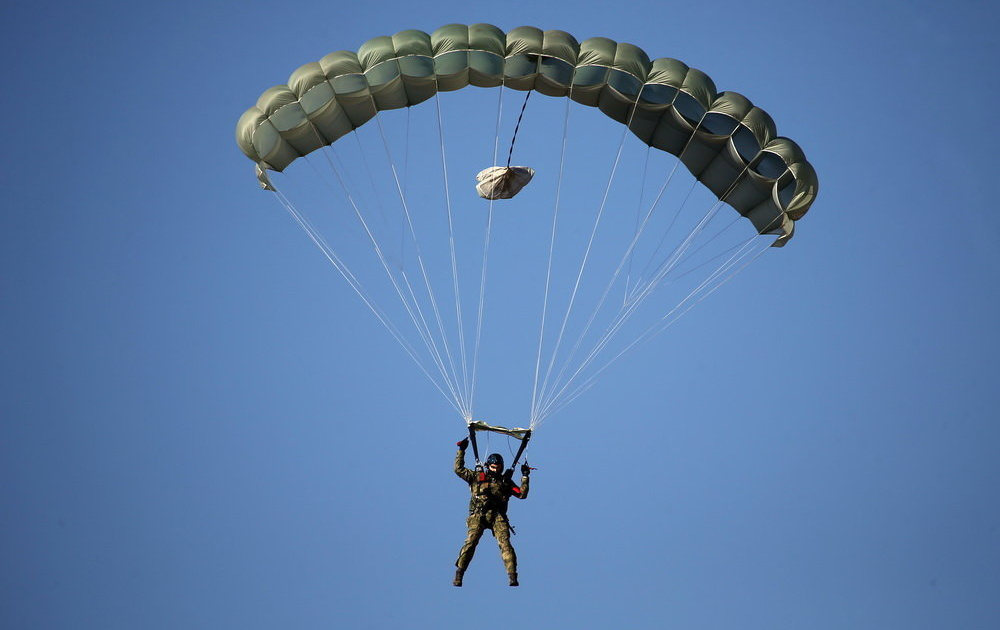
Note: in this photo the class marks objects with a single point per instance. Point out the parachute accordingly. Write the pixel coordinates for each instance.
(664, 109)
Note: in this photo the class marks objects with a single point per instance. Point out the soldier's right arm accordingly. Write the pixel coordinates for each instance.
(460, 469)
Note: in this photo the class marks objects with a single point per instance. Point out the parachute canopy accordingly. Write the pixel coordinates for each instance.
(620, 256)
(730, 145)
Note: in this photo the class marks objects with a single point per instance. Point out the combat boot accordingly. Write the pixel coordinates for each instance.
(513, 579)
(459, 573)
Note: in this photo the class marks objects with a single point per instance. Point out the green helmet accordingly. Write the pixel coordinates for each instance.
(495, 458)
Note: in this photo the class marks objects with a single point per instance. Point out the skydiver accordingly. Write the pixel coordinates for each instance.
(491, 490)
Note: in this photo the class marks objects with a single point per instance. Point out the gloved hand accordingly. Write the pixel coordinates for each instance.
(525, 469)
(463, 444)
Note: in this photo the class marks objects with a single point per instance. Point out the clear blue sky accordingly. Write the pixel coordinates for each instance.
(201, 427)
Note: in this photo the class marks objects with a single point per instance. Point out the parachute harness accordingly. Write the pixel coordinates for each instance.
(523, 435)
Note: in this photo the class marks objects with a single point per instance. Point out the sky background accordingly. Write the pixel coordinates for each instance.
(201, 427)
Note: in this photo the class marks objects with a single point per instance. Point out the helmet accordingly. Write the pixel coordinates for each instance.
(495, 458)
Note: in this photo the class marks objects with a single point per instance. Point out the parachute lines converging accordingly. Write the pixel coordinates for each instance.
(578, 268)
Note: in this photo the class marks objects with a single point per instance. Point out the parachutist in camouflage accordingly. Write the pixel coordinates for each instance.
(491, 490)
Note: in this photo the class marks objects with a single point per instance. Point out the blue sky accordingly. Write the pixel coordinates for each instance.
(202, 426)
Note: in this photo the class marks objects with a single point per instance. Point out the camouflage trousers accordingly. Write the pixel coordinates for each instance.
(478, 523)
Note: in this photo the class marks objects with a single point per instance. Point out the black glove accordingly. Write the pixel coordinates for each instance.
(463, 444)
(525, 469)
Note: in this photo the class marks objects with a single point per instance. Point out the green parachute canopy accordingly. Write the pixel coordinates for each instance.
(596, 284)
(730, 145)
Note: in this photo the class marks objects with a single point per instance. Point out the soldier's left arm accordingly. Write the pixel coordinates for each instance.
(522, 491)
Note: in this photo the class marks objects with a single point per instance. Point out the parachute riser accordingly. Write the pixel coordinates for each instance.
(522, 435)
(475, 446)
(520, 451)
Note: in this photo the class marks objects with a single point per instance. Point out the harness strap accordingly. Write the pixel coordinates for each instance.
(475, 447)
(520, 451)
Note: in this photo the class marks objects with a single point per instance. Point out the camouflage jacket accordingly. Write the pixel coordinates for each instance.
(490, 493)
